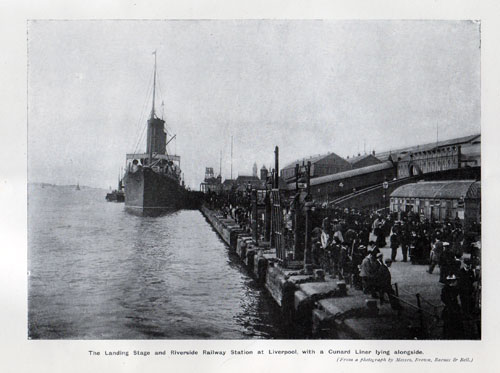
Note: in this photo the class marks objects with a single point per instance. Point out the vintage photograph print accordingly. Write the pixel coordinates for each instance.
(254, 179)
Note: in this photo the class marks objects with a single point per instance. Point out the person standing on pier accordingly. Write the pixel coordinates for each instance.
(384, 282)
(453, 327)
(369, 271)
(316, 248)
(446, 262)
(395, 242)
(437, 250)
(326, 241)
(331, 248)
(405, 239)
(466, 280)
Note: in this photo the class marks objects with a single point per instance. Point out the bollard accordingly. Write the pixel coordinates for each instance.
(342, 288)
(308, 252)
(255, 235)
(319, 275)
(276, 182)
(371, 304)
(267, 217)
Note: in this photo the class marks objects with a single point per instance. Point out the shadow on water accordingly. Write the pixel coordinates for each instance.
(270, 322)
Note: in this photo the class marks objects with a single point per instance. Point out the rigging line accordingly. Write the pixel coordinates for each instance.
(163, 116)
(158, 80)
(141, 118)
(139, 139)
(138, 125)
(139, 143)
(140, 135)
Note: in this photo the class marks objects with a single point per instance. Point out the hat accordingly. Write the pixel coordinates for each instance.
(451, 278)
(446, 244)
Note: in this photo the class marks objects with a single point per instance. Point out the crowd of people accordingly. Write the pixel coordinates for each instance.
(234, 205)
(347, 244)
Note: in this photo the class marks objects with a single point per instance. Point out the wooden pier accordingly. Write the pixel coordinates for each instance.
(317, 306)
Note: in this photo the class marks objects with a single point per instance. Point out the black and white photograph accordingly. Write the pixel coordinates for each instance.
(254, 179)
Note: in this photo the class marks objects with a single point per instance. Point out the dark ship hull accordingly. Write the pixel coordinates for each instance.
(149, 193)
(153, 186)
(115, 196)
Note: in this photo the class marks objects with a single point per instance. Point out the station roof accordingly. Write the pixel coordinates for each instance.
(452, 189)
(429, 146)
(359, 158)
(312, 159)
(347, 174)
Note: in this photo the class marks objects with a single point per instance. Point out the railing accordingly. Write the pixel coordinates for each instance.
(418, 307)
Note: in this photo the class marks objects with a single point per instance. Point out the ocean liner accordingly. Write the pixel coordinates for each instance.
(152, 180)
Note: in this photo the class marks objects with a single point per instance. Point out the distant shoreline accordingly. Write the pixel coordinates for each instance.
(72, 186)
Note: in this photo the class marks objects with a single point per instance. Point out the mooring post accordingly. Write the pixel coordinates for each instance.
(276, 183)
(255, 233)
(308, 263)
(308, 175)
(267, 217)
(297, 177)
(296, 227)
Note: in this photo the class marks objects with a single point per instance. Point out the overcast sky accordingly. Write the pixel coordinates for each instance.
(309, 87)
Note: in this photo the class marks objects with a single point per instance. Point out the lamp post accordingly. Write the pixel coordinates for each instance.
(385, 185)
(308, 262)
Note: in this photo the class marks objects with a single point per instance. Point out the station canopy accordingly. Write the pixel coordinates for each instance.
(451, 189)
(339, 176)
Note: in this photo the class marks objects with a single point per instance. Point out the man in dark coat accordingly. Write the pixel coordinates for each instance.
(446, 262)
(437, 251)
(452, 316)
(466, 280)
(405, 240)
(383, 282)
(395, 242)
(413, 247)
(317, 251)
(369, 270)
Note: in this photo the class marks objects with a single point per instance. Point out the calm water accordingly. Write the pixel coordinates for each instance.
(96, 272)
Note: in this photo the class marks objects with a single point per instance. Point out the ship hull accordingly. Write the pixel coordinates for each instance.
(148, 193)
(115, 196)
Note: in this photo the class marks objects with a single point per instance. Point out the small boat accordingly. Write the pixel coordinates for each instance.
(117, 195)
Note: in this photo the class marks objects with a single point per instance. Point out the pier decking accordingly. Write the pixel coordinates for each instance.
(317, 306)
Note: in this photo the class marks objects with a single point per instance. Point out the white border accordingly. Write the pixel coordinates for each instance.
(18, 354)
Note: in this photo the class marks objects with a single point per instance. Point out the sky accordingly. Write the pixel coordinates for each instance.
(309, 87)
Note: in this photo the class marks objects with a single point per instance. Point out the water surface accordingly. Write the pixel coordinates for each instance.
(97, 272)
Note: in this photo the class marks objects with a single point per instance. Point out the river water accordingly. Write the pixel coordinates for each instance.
(96, 272)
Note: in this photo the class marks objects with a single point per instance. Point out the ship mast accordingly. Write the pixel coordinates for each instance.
(152, 115)
(154, 89)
